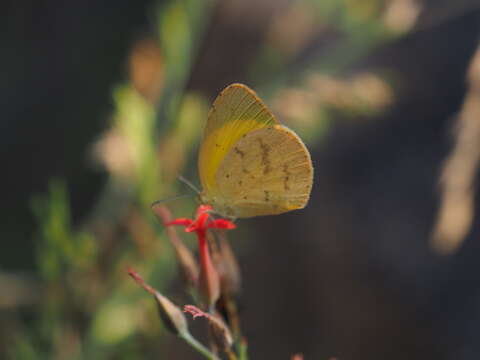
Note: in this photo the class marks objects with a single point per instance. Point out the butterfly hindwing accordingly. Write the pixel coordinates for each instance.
(268, 171)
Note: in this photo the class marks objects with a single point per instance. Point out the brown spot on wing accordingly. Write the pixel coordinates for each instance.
(239, 152)
(287, 177)
(265, 160)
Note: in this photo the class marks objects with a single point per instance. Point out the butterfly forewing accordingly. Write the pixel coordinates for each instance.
(236, 111)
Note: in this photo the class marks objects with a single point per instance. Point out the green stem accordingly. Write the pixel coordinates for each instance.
(197, 346)
(242, 350)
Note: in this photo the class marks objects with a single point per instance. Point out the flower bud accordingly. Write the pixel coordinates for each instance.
(208, 281)
(172, 316)
(228, 267)
(221, 335)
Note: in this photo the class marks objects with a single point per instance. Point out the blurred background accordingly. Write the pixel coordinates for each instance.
(103, 105)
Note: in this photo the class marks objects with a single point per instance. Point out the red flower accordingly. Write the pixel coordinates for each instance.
(209, 284)
(201, 222)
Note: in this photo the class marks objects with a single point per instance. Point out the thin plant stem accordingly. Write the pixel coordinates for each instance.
(242, 350)
(194, 343)
(231, 355)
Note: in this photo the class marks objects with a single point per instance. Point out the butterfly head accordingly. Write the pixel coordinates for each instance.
(218, 204)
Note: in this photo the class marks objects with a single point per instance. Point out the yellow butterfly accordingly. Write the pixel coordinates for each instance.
(250, 164)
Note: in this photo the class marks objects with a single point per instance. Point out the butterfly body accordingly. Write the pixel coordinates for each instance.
(249, 164)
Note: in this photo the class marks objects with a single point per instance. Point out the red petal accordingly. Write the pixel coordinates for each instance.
(194, 311)
(222, 224)
(203, 209)
(180, 221)
(192, 227)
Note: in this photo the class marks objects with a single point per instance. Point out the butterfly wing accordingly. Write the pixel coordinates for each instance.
(268, 171)
(236, 111)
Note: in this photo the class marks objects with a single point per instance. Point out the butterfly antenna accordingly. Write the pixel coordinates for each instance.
(188, 183)
(168, 199)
